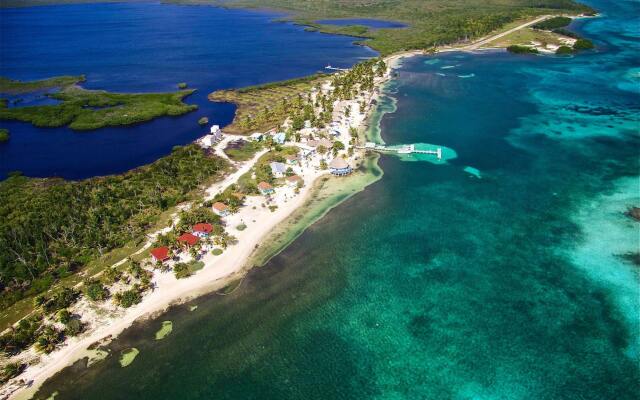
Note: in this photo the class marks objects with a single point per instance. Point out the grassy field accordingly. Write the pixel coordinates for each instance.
(82, 109)
(244, 151)
(13, 87)
(263, 107)
(430, 22)
(526, 36)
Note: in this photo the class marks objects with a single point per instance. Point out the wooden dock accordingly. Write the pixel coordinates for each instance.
(407, 149)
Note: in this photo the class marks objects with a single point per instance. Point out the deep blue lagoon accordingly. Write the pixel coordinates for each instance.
(433, 283)
(147, 47)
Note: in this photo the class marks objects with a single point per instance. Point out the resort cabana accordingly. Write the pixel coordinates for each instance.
(279, 137)
(220, 208)
(294, 180)
(160, 254)
(202, 230)
(265, 188)
(187, 240)
(278, 169)
(339, 166)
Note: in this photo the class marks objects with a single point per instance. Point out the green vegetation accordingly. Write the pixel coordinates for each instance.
(430, 22)
(243, 150)
(51, 228)
(564, 50)
(4, 135)
(82, 109)
(216, 252)
(166, 329)
(14, 86)
(262, 170)
(266, 106)
(11, 370)
(185, 270)
(182, 85)
(583, 44)
(517, 49)
(49, 339)
(21, 336)
(128, 356)
(58, 300)
(263, 107)
(128, 298)
(553, 23)
(95, 290)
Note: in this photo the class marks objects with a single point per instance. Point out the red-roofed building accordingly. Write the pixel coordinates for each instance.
(187, 239)
(160, 254)
(294, 180)
(202, 229)
(220, 208)
(265, 188)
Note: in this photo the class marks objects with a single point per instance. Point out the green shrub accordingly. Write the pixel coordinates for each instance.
(74, 327)
(583, 44)
(564, 50)
(129, 297)
(11, 370)
(516, 49)
(553, 23)
(95, 290)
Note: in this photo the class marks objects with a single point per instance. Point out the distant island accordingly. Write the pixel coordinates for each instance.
(82, 109)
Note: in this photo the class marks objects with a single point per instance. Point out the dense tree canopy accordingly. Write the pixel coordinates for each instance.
(52, 227)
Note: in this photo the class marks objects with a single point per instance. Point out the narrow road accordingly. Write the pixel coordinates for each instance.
(490, 39)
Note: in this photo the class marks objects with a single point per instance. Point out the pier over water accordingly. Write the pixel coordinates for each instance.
(403, 149)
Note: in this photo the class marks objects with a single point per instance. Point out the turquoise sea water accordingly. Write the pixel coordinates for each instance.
(431, 283)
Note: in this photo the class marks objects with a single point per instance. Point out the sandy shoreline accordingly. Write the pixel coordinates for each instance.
(218, 272)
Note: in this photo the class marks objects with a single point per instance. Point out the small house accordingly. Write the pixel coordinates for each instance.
(339, 166)
(160, 254)
(294, 181)
(202, 230)
(256, 137)
(278, 169)
(220, 208)
(215, 131)
(188, 240)
(265, 188)
(306, 151)
(279, 137)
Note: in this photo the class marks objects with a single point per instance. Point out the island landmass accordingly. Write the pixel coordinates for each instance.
(82, 109)
(252, 183)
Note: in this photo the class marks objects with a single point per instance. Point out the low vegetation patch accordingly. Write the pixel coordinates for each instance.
(82, 109)
(185, 270)
(242, 150)
(517, 49)
(4, 135)
(564, 50)
(553, 23)
(263, 107)
(14, 86)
